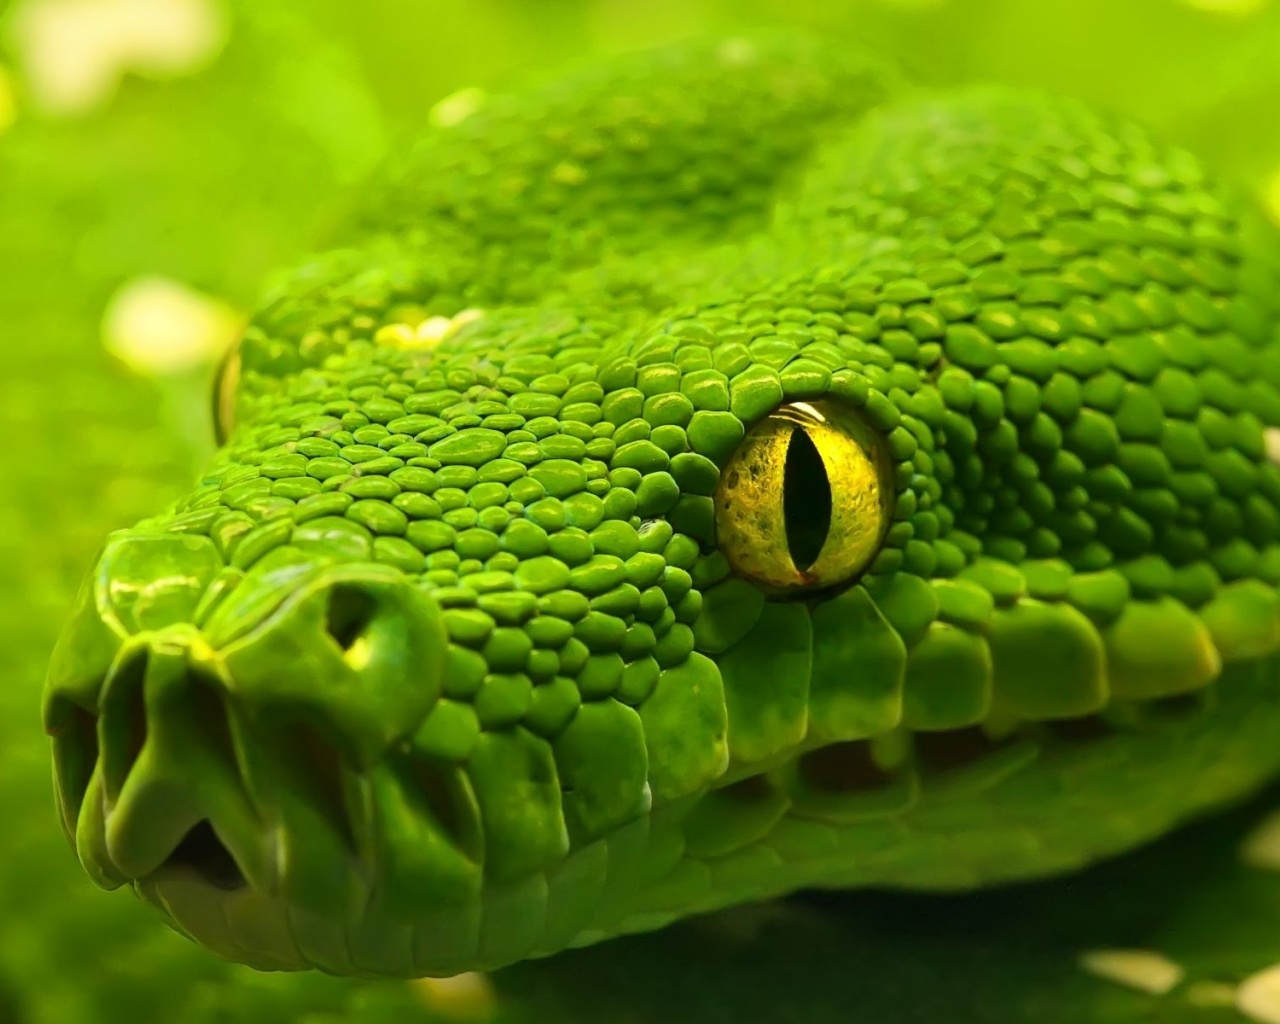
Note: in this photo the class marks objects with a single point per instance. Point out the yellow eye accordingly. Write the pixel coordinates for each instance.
(225, 382)
(805, 501)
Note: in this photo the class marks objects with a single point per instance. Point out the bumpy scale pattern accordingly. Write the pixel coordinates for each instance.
(523, 390)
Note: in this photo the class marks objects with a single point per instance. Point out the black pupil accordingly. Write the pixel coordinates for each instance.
(806, 500)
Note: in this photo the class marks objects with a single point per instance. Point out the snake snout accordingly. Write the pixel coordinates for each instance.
(230, 757)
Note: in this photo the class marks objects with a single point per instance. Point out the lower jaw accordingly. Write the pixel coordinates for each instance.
(1055, 799)
(536, 916)
(266, 933)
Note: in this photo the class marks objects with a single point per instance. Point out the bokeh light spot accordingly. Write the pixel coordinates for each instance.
(74, 52)
(457, 107)
(159, 326)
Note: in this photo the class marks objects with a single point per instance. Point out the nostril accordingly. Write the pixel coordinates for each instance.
(123, 725)
(349, 612)
(202, 852)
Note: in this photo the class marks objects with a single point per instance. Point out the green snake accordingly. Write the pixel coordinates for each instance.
(719, 472)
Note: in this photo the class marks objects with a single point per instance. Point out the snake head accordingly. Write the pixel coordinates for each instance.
(328, 729)
(736, 491)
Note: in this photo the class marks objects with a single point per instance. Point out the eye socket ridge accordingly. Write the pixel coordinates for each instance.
(805, 501)
(226, 382)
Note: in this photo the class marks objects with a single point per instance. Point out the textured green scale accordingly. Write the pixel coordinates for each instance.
(517, 789)
(466, 606)
(656, 494)
(730, 613)
(1157, 649)
(603, 732)
(859, 659)
(909, 604)
(450, 731)
(1048, 660)
(948, 682)
(714, 434)
(733, 819)
(766, 694)
(1244, 620)
(754, 392)
(685, 727)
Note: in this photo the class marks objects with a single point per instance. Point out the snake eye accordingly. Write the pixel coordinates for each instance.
(805, 500)
(225, 382)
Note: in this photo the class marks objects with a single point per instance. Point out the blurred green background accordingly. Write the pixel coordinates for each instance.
(159, 158)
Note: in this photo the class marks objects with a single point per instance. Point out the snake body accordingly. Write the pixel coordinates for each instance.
(722, 471)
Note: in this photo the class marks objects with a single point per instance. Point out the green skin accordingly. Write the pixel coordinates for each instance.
(439, 666)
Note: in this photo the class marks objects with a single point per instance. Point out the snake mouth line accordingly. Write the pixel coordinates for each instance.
(847, 781)
(886, 775)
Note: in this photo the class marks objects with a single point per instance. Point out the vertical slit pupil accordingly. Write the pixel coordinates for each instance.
(806, 500)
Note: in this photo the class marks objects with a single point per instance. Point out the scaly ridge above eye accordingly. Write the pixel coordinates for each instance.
(225, 382)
